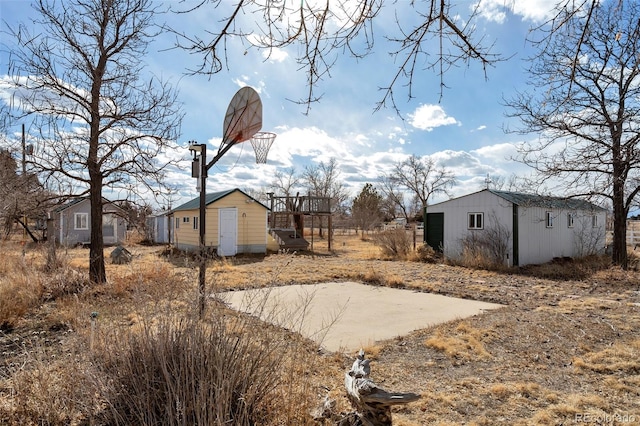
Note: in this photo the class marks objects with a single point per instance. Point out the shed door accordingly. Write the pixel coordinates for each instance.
(434, 231)
(228, 232)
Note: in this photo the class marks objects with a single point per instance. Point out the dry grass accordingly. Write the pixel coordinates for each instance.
(564, 348)
(619, 358)
(467, 342)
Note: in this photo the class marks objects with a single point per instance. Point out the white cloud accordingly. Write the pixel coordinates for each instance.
(492, 10)
(536, 11)
(498, 153)
(428, 117)
(275, 55)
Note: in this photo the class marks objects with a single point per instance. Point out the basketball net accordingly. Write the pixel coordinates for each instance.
(261, 143)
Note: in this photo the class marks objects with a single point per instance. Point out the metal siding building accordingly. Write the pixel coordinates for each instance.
(538, 228)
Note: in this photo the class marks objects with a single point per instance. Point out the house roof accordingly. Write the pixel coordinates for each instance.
(521, 199)
(212, 198)
(69, 203)
(78, 200)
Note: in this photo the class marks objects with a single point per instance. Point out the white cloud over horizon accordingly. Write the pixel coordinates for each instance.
(428, 117)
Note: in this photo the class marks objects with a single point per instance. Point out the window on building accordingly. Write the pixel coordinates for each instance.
(177, 222)
(81, 221)
(570, 218)
(185, 219)
(594, 220)
(475, 221)
(195, 222)
(549, 220)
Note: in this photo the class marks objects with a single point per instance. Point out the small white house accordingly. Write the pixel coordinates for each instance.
(515, 228)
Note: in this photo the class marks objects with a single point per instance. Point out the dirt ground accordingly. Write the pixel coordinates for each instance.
(561, 351)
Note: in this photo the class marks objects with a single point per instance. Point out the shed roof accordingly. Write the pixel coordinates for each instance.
(69, 203)
(533, 200)
(211, 198)
(521, 199)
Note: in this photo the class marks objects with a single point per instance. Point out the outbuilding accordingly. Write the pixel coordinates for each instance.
(235, 223)
(159, 228)
(515, 228)
(70, 223)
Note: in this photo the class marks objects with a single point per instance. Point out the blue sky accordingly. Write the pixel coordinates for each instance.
(462, 130)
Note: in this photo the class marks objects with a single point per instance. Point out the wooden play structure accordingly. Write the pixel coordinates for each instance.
(290, 214)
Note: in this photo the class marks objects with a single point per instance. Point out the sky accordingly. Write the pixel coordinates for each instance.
(460, 127)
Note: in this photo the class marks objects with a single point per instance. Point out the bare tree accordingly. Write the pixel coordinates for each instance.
(422, 178)
(258, 194)
(586, 111)
(81, 81)
(323, 180)
(442, 35)
(285, 182)
(393, 201)
(10, 191)
(22, 197)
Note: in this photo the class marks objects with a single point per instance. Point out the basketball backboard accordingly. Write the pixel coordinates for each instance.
(243, 118)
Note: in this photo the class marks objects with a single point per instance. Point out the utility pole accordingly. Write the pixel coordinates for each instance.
(24, 153)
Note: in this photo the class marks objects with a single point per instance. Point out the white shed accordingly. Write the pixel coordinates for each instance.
(159, 228)
(516, 228)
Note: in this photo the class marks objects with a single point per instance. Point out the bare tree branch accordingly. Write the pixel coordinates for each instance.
(326, 31)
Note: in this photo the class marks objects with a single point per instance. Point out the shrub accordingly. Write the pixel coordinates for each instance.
(425, 253)
(62, 282)
(48, 390)
(21, 290)
(184, 371)
(484, 249)
(395, 243)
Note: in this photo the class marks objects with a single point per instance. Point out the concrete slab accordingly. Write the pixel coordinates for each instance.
(347, 316)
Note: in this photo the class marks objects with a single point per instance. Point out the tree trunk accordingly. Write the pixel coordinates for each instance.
(619, 252)
(97, 273)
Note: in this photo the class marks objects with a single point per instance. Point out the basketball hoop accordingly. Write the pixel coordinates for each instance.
(261, 142)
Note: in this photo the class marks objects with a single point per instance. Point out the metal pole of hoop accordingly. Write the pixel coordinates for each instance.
(261, 143)
(242, 122)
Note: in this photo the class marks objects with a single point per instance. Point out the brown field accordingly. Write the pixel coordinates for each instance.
(565, 350)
